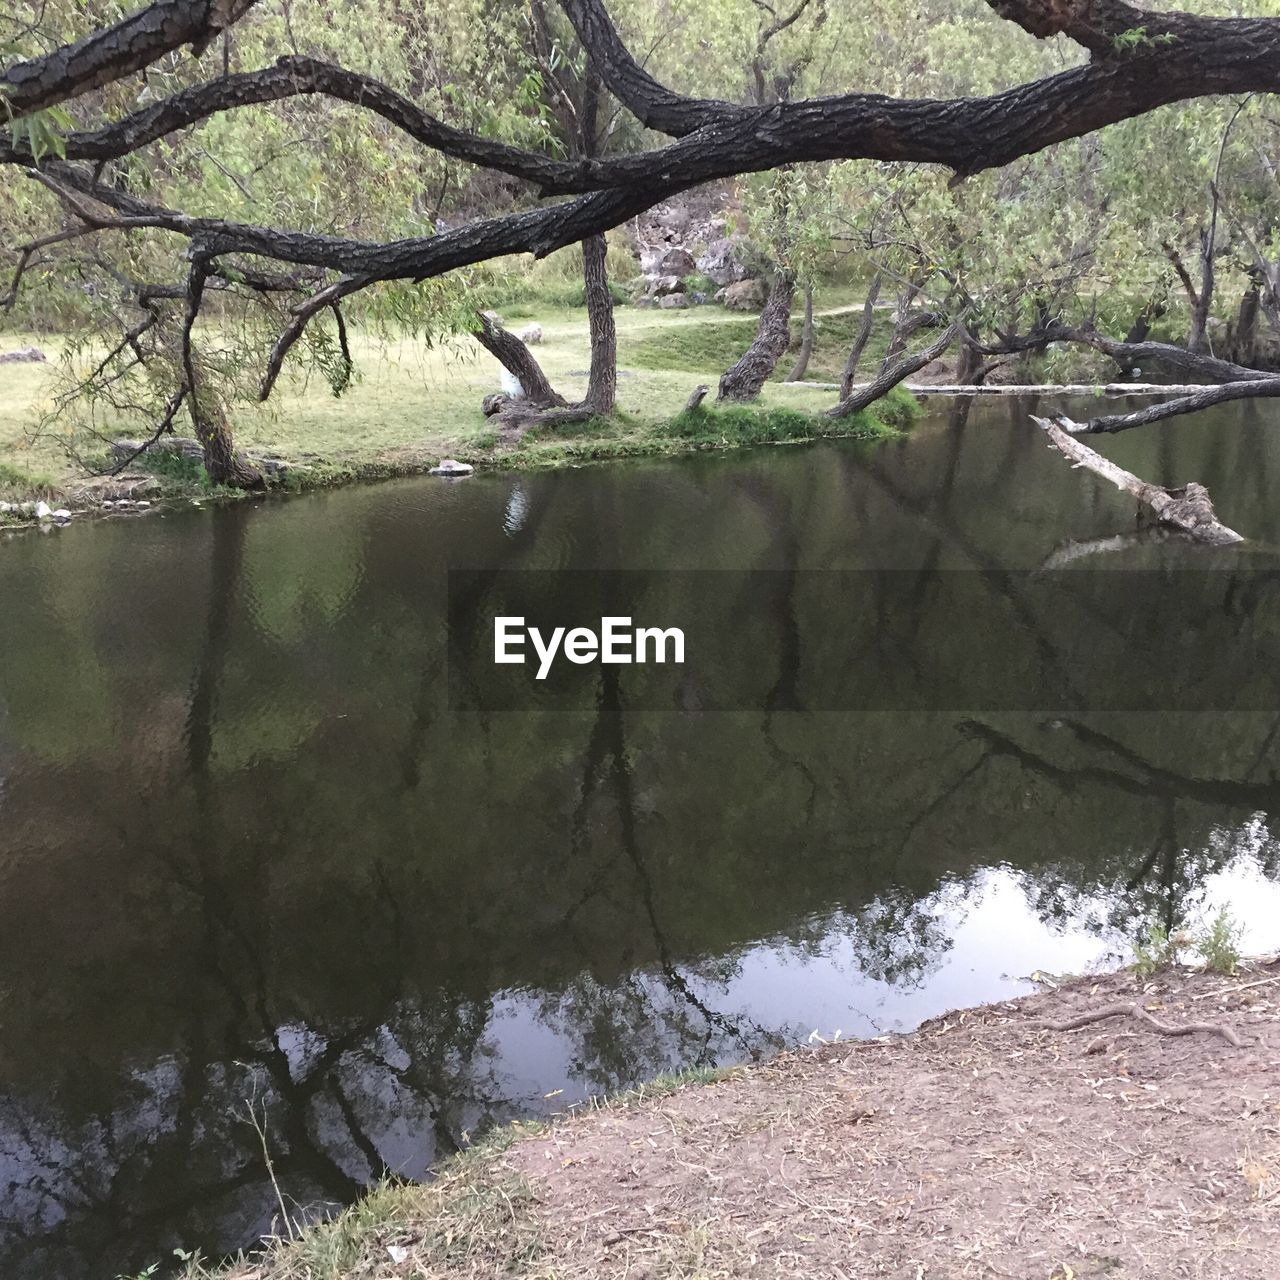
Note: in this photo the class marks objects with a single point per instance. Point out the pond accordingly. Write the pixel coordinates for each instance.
(268, 874)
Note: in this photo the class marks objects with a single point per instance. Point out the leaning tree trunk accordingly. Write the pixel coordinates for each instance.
(518, 361)
(892, 374)
(602, 384)
(1244, 349)
(209, 418)
(1198, 338)
(864, 334)
(213, 429)
(801, 366)
(745, 379)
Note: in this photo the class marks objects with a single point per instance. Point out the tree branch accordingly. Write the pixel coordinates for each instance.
(115, 52)
(1187, 508)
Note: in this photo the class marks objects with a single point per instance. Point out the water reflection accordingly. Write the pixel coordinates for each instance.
(250, 857)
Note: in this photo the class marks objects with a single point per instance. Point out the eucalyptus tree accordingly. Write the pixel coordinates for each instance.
(81, 128)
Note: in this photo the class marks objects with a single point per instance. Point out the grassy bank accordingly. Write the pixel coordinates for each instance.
(1032, 1138)
(414, 404)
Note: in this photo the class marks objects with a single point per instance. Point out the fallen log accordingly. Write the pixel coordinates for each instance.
(1187, 508)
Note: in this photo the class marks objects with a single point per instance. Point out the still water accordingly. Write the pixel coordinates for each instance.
(253, 857)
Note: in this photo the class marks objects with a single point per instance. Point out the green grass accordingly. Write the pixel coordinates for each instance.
(702, 339)
(412, 404)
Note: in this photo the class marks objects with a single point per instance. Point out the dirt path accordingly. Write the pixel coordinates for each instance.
(983, 1145)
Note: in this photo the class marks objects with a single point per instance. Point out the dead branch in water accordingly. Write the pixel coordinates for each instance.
(1187, 508)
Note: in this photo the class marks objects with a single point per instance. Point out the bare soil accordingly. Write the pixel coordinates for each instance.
(985, 1144)
(982, 1145)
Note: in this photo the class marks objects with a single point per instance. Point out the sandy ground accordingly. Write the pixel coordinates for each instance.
(983, 1145)
(986, 1144)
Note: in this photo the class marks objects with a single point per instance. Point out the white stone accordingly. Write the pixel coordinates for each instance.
(43, 511)
(62, 514)
(451, 467)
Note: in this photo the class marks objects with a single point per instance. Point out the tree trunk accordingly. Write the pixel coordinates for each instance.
(602, 384)
(1245, 345)
(904, 324)
(744, 380)
(970, 369)
(1198, 338)
(892, 374)
(864, 333)
(209, 418)
(801, 366)
(518, 361)
(221, 461)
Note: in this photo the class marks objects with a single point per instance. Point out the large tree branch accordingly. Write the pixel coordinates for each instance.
(1187, 508)
(1129, 354)
(653, 104)
(293, 77)
(1107, 28)
(114, 52)
(1206, 398)
(718, 140)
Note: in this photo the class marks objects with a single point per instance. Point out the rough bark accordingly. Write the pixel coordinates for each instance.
(1263, 387)
(1141, 60)
(1244, 345)
(518, 360)
(863, 335)
(213, 429)
(803, 356)
(602, 383)
(1198, 334)
(1130, 354)
(745, 379)
(889, 377)
(114, 52)
(1187, 508)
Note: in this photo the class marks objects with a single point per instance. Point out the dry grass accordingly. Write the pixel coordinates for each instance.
(983, 1145)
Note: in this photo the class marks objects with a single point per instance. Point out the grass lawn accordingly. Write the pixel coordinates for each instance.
(413, 404)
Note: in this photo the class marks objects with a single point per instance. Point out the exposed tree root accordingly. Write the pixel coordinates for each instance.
(1135, 1010)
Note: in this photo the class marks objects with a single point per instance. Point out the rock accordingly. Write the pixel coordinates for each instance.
(746, 295)
(142, 504)
(677, 262)
(6, 507)
(43, 511)
(451, 467)
(660, 286)
(530, 335)
(673, 302)
(24, 355)
(184, 445)
(674, 218)
(645, 302)
(698, 299)
(62, 515)
(722, 261)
